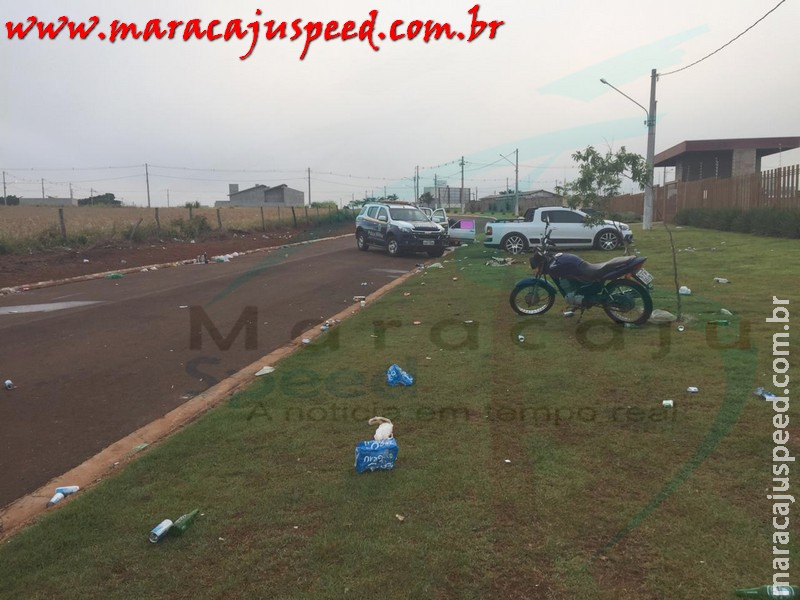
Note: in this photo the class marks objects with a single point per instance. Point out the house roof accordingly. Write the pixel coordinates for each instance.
(762, 146)
(259, 186)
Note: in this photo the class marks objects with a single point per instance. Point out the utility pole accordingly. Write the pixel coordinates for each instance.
(70, 191)
(42, 188)
(91, 196)
(147, 179)
(4, 189)
(516, 184)
(461, 191)
(167, 197)
(647, 213)
(309, 186)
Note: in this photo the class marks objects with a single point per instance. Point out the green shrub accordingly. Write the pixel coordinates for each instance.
(775, 222)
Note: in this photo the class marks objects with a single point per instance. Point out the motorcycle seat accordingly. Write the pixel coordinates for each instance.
(598, 271)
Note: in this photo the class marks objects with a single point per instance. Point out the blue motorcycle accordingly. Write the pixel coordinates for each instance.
(621, 285)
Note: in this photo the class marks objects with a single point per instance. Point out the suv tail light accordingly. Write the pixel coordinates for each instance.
(488, 230)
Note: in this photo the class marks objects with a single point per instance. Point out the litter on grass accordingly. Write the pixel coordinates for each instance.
(396, 376)
(264, 371)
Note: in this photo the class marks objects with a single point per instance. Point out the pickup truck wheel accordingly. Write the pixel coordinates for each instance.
(514, 243)
(361, 241)
(608, 239)
(392, 246)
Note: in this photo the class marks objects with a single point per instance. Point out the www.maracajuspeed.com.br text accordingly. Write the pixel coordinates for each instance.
(271, 30)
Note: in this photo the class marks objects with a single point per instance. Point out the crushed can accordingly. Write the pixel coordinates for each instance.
(375, 455)
(67, 489)
(57, 497)
(159, 531)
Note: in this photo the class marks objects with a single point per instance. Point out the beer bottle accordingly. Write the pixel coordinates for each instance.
(184, 521)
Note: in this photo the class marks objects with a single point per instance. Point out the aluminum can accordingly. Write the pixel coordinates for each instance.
(159, 531)
(57, 497)
(67, 489)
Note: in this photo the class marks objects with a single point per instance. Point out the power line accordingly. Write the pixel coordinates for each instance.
(724, 45)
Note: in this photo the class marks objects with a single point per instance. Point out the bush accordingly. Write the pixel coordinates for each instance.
(189, 229)
(775, 222)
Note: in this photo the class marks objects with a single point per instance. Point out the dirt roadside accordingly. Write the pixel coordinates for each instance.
(63, 263)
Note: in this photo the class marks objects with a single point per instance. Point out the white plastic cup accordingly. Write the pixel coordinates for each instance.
(667, 404)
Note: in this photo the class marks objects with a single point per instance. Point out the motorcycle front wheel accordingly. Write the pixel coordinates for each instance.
(628, 302)
(532, 298)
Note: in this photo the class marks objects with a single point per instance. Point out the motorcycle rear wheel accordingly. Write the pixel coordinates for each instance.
(628, 302)
(532, 298)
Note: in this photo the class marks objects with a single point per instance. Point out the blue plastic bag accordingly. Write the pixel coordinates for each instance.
(396, 376)
(372, 455)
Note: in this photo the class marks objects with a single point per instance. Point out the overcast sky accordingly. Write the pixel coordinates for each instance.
(91, 113)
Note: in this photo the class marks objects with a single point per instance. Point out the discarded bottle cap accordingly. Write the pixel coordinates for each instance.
(58, 497)
(159, 531)
(667, 404)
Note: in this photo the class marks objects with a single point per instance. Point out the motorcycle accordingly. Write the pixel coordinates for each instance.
(621, 285)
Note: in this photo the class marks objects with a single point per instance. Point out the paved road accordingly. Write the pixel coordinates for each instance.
(95, 360)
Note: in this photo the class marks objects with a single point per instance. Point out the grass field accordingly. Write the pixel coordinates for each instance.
(540, 469)
(38, 227)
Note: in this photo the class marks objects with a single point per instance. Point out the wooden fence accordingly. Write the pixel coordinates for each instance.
(777, 188)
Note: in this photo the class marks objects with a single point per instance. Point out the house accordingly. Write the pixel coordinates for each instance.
(263, 195)
(529, 199)
(721, 159)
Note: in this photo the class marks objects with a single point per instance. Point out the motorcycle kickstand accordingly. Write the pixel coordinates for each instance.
(583, 310)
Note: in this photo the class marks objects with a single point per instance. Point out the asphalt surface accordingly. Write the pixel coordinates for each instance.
(93, 361)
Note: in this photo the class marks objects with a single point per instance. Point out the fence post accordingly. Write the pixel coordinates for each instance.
(158, 224)
(190, 212)
(308, 221)
(219, 220)
(62, 225)
(263, 222)
(294, 217)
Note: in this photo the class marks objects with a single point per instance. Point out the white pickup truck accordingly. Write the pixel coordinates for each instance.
(568, 229)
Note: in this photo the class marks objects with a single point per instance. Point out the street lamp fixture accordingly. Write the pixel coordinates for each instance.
(647, 214)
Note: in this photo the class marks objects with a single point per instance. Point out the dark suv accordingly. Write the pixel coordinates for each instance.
(399, 227)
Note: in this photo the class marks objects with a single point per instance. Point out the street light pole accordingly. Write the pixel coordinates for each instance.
(647, 212)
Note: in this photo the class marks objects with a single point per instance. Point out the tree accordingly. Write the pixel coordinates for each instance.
(11, 200)
(101, 200)
(600, 177)
(426, 199)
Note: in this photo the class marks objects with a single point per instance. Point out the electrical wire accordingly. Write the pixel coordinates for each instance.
(724, 45)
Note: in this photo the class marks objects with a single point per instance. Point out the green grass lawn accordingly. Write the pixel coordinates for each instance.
(539, 469)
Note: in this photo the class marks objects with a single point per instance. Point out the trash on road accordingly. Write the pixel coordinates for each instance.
(721, 280)
(264, 371)
(396, 376)
(57, 497)
(114, 276)
(67, 489)
(667, 404)
(8, 384)
(684, 291)
(692, 389)
(436, 266)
